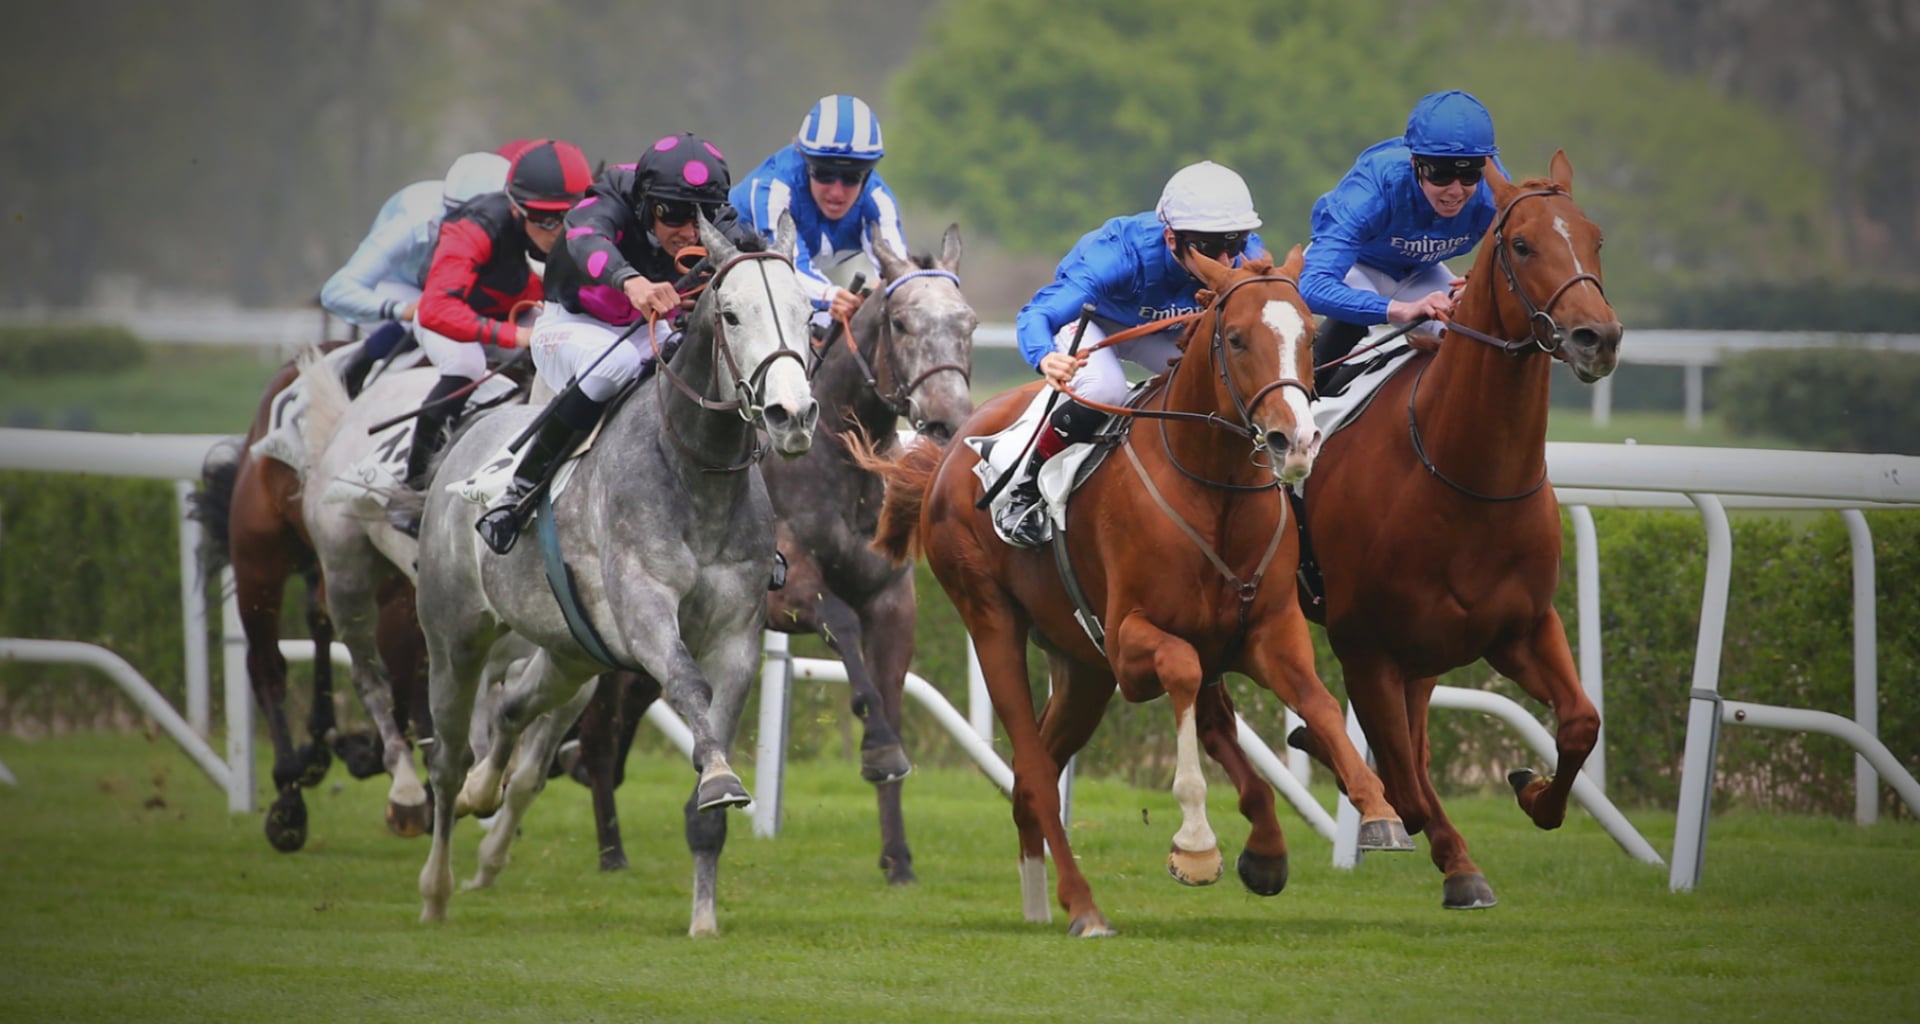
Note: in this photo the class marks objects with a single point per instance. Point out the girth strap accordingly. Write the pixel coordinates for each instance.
(560, 581)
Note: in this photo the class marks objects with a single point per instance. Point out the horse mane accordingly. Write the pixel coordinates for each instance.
(1541, 185)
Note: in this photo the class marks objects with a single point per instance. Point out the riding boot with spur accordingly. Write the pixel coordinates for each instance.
(573, 417)
(1023, 520)
(430, 428)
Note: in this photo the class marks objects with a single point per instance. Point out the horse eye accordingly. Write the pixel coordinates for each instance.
(898, 326)
(1239, 343)
(732, 318)
(1520, 247)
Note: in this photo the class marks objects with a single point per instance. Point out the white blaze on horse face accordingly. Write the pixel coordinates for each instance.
(1284, 319)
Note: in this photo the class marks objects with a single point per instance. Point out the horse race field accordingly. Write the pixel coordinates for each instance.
(127, 893)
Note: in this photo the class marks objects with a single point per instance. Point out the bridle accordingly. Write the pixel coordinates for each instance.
(1537, 318)
(900, 401)
(745, 386)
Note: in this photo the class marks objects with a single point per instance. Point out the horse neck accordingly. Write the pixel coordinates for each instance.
(841, 389)
(1481, 406)
(715, 437)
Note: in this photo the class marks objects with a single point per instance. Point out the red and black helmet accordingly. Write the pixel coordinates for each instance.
(681, 168)
(549, 175)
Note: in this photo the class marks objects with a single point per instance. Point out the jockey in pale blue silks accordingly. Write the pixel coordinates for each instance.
(1381, 235)
(383, 278)
(827, 181)
(1134, 271)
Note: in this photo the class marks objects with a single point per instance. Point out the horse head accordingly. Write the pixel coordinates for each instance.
(1259, 356)
(922, 363)
(1548, 254)
(758, 316)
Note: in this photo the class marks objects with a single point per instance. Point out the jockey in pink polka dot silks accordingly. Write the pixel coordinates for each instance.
(615, 263)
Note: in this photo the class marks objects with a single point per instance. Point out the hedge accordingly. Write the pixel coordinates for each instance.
(1836, 399)
(95, 559)
(47, 350)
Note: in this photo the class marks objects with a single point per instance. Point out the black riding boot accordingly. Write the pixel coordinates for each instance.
(1024, 517)
(1336, 338)
(430, 428)
(379, 345)
(573, 418)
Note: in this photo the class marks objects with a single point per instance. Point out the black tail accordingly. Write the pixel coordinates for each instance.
(212, 505)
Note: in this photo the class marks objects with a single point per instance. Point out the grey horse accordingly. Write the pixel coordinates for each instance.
(910, 357)
(666, 537)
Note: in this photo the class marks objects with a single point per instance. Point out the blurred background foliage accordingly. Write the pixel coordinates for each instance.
(220, 151)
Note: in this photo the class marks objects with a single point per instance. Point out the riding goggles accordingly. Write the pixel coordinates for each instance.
(1443, 171)
(838, 173)
(678, 213)
(545, 220)
(1216, 245)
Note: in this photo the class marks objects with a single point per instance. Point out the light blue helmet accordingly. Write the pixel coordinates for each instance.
(1450, 123)
(840, 128)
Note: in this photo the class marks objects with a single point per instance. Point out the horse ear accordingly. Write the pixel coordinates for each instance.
(720, 248)
(1503, 189)
(1210, 271)
(1561, 170)
(1296, 258)
(786, 237)
(1204, 297)
(950, 249)
(892, 265)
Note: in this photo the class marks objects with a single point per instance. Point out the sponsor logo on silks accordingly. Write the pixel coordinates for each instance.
(1431, 248)
(1147, 313)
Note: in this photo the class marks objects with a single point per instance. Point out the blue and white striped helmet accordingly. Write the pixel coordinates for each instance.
(840, 128)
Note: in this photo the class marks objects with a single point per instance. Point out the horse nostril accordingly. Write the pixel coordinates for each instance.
(776, 416)
(1585, 337)
(1278, 441)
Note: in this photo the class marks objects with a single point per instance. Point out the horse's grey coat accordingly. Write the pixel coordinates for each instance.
(671, 559)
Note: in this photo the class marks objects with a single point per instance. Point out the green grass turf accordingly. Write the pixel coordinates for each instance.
(128, 893)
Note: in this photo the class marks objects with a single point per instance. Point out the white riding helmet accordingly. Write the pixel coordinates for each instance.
(474, 174)
(1207, 197)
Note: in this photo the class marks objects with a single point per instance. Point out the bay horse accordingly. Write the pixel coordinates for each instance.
(1172, 539)
(660, 543)
(907, 353)
(250, 506)
(1435, 528)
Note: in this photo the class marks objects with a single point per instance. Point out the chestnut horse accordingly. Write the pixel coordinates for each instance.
(250, 506)
(1171, 539)
(1434, 526)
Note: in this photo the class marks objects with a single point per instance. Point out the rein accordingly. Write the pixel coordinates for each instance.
(744, 385)
(900, 402)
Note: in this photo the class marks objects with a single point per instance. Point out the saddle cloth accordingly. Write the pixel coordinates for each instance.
(1331, 412)
(285, 440)
(380, 473)
(1000, 453)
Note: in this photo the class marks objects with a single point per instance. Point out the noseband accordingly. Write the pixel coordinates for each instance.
(1538, 317)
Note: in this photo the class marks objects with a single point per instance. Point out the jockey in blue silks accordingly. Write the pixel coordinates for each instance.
(827, 181)
(1134, 270)
(1409, 203)
(383, 278)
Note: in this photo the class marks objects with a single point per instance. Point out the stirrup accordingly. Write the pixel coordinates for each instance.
(499, 526)
(1023, 522)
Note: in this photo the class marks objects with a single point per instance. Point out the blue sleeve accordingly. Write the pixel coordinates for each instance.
(1087, 274)
(349, 294)
(1343, 220)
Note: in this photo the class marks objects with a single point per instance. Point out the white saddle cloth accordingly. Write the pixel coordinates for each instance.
(1001, 452)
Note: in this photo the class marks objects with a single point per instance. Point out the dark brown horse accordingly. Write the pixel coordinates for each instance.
(250, 506)
(1434, 527)
(1172, 539)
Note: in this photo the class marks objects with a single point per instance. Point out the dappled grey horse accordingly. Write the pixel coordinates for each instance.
(661, 537)
(910, 358)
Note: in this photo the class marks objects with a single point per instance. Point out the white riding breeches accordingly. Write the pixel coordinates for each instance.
(1417, 285)
(577, 345)
(1103, 379)
(466, 359)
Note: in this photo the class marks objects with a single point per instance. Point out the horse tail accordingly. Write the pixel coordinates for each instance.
(326, 401)
(211, 504)
(907, 479)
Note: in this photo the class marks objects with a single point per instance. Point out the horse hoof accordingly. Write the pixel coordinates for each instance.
(1385, 834)
(1092, 925)
(899, 870)
(361, 754)
(409, 822)
(721, 791)
(1519, 779)
(1299, 739)
(613, 860)
(315, 761)
(286, 823)
(1263, 876)
(1468, 891)
(885, 764)
(1189, 868)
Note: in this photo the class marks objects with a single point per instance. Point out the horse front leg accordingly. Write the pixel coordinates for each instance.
(526, 777)
(1463, 887)
(606, 734)
(1279, 655)
(888, 648)
(1542, 663)
(314, 756)
(1147, 659)
(1262, 865)
(540, 687)
(453, 679)
(260, 575)
(882, 758)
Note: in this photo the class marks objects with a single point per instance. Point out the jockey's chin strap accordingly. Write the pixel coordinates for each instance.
(900, 402)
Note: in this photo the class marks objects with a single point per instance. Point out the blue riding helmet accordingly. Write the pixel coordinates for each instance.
(841, 129)
(1450, 123)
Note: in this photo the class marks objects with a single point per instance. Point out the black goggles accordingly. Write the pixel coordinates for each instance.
(838, 174)
(1217, 245)
(1445, 171)
(678, 213)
